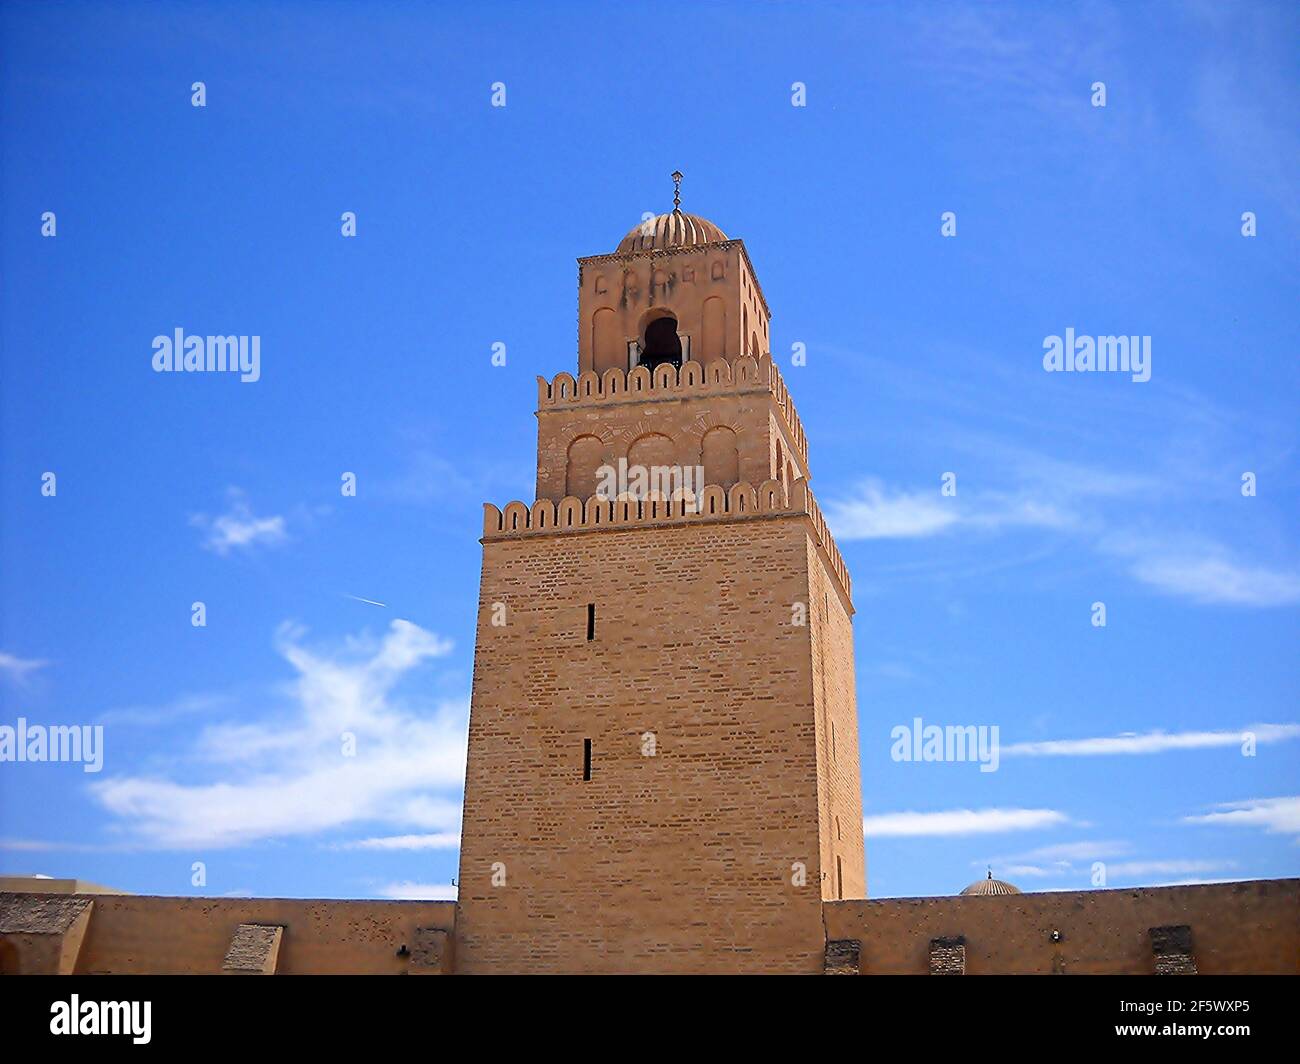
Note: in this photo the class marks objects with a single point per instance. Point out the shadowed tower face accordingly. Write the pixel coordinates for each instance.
(663, 758)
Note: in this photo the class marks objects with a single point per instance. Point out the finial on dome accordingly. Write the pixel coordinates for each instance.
(990, 871)
(677, 190)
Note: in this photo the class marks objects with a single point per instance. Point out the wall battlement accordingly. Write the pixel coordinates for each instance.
(713, 503)
(720, 376)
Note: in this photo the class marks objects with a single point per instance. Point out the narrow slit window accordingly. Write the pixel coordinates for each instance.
(591, 621)
(839, 876)
(586, 759)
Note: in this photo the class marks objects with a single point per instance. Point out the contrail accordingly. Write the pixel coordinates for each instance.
(371, 602)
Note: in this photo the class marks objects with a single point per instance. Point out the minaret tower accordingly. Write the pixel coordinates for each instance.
(663, 756)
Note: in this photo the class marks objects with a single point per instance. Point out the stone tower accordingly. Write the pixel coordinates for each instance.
(663, 754)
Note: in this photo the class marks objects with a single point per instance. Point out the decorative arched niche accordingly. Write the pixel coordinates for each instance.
(713, 330)
(720, 456)
(586, 455)
(608, 348)
(652, 449)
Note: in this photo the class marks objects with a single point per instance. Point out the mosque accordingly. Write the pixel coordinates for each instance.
(662, 771)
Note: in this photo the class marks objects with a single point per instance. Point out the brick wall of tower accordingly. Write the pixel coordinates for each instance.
(838, 772)
(696, 416)
(677, 862)
(681, 418)
(616, 292)
(787, 462)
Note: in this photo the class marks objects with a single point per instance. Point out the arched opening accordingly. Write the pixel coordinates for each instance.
(662, 344)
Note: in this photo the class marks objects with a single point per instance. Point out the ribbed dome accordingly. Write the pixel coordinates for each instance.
(991, 886)
(675, 230)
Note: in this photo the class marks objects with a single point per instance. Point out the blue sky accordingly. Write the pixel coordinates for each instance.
(924, 357)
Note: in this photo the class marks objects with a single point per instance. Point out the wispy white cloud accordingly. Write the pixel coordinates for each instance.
(1082, 505)
(408, 891)
(1241, 102)
(1201, 569)
(444, 840)
(874, 513)
(992, 59)
(1216, 579)
(1277, 816)
(1197, 881)
(183, 707)
(1183, 867)
(1152, 742)
(1028, 871)
(1057, 859)
(960, 822)
(29, 845)
(294, 771)
(18, 669)
(45, 846)
(1166, 510)
(889, 670)
(1083, 850)
(239, 528)
(432, 473)
(1075, 860)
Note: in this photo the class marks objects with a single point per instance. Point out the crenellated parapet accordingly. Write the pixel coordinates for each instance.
(720, 376)
(712, 503)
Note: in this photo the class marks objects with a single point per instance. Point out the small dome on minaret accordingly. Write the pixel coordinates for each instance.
(991, 886)
(676, 229)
